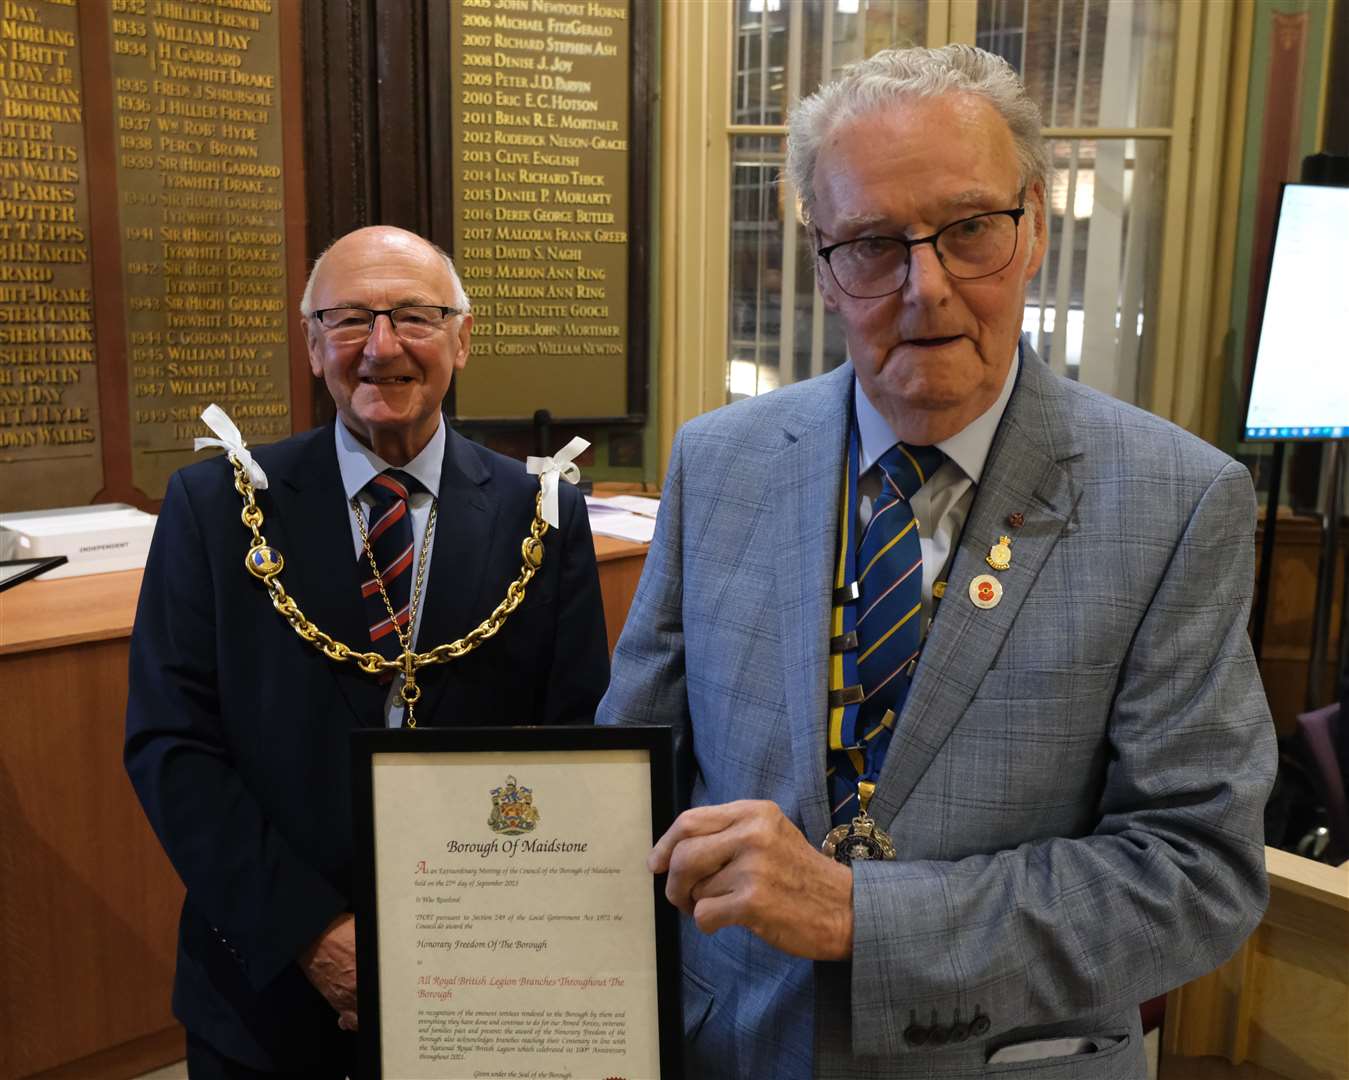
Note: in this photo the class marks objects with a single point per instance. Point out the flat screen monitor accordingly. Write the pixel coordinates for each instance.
(1300, 382)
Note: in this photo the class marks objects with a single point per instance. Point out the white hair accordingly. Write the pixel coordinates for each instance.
(895, 75)
(458, 298)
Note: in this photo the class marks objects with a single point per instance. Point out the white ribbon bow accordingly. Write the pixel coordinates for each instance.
(215, 418)
(549, 469)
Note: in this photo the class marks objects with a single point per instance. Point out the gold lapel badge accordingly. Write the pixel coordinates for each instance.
(1000, 555)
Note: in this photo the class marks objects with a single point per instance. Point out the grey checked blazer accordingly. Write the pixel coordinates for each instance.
(1075, 784)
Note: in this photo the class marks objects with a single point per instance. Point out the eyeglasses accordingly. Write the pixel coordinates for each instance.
(347, 325)
(974, 247)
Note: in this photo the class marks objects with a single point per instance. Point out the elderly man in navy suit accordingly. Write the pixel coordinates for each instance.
(396, 533)
(954, 647)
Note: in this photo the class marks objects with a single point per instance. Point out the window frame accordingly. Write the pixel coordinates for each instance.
(1187, 363)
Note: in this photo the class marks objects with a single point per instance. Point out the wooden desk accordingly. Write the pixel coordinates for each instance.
(1280, 1007)
(620, 566)
(88, 902)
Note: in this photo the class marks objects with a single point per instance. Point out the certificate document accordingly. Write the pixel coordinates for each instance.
(514, 923)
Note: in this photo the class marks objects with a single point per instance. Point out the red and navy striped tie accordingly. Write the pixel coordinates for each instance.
(889, 621)
(390, 535)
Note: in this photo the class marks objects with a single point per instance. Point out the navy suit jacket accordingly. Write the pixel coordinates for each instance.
(237, 731)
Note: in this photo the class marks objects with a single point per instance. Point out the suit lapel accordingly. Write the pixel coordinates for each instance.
(466, 515)
(317, 544)
(809, 472)
(1024, 473)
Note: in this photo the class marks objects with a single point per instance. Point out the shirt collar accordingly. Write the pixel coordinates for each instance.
(968, 448)
(359, 464)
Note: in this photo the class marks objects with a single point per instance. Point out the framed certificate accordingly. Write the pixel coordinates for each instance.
(506, 923)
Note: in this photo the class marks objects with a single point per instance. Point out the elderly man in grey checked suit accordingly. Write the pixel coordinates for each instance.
(974, 629)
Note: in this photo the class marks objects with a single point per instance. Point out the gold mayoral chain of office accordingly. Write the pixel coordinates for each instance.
(265, 563)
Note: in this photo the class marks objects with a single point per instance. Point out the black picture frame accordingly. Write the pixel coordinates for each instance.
(26, 569)
(366, 743)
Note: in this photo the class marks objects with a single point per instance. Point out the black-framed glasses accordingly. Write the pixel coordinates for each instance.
(412, 322)
(869, 267)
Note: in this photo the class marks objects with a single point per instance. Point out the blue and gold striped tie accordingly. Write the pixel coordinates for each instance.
(889, 621)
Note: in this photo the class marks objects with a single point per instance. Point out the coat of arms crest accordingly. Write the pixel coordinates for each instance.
(513, 809)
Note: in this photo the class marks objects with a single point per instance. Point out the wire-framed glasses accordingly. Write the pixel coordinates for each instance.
(345, 325)
(974, 247)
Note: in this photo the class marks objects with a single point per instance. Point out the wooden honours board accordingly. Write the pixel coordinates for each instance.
(50, 430)
(202, 221)
(151, 230)
(546, 133)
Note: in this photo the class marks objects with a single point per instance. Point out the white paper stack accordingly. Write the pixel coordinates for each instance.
(627, 517)
(96, 539)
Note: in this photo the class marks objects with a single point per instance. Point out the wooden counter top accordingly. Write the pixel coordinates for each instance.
(1304, 877)
(608, 548)
(45, 614)
(1279, 1008)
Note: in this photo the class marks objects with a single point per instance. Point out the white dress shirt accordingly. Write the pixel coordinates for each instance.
(942, 504)
(359, 465)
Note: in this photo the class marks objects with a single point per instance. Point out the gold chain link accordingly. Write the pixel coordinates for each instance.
(266, 563)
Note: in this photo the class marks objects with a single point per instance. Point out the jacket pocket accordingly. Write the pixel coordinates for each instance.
(698, 999)
(1105, 1058)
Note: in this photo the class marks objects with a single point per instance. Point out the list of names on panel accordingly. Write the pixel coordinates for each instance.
(201, 203)
(49, 419)
(541, 149)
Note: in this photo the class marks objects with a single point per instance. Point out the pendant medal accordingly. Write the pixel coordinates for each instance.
(264, 562)
(861, 841)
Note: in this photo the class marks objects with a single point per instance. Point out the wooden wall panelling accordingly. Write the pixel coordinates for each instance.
(1288, 620)
(641, 220)
(105, 247)
(377, 81)
(400, 114)
(340, 181)
(340, 119)
(373, 156)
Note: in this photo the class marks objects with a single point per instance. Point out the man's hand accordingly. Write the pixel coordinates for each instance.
(745, 864)
(330, 964)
